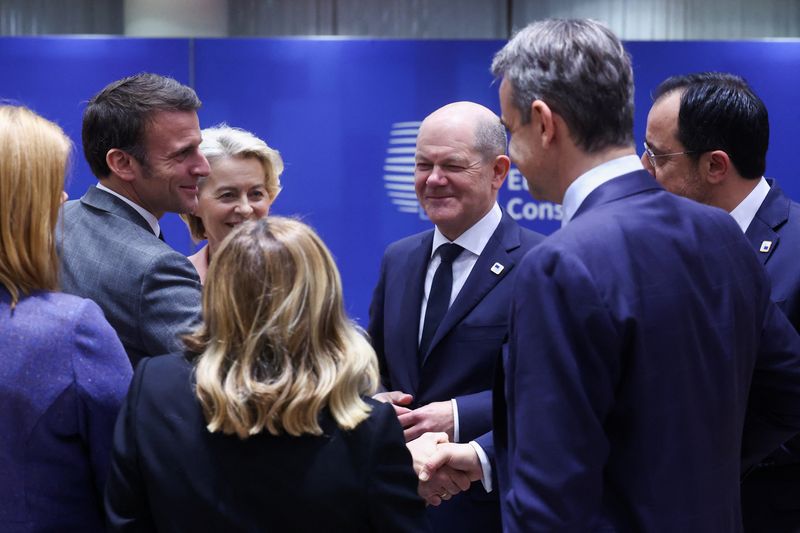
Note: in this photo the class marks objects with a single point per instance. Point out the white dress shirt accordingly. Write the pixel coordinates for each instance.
(745, 212)
(147, 215)
(473, 241)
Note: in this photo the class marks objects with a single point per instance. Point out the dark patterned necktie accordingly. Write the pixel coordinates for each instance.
(439, 297)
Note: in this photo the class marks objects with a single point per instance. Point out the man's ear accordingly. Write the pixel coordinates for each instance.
(500, 170)
(542, 117)
(716, 166)
(122, 164)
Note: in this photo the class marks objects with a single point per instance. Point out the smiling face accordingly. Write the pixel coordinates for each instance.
(454, 185)
(233, 193)
(166, 180)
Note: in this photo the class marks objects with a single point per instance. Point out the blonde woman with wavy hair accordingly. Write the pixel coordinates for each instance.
(243, 182)
(265, 423)
(63, 372)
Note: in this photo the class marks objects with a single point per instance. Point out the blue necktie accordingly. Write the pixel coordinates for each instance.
(439, 297)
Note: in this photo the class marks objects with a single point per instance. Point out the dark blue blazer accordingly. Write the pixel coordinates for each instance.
(461, 359)
(771, 494)
(170, 474)
(778, 221)
(628, 377)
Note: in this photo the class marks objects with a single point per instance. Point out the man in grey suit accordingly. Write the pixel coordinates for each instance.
(141, 137)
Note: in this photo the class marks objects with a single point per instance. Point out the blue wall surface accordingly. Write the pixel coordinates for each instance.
(344, 113)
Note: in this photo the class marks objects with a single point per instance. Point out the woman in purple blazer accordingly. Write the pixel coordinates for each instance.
(63, 372)
(265, 423)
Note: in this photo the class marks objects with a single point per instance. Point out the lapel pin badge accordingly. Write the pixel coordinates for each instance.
(765, 246)
(497, 268)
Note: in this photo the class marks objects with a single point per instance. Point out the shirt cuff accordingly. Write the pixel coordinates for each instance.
(486, 467)
(455, 419)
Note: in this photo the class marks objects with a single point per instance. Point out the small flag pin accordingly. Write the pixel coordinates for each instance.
(497, 267)
(765, 246)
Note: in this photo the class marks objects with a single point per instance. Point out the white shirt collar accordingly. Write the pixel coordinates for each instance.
(584, 184)
(745, 212)
(476, 237)
(147, 215)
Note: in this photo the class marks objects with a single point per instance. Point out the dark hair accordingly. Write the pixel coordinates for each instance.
(579, 68)
(116, 116)
(719, 111)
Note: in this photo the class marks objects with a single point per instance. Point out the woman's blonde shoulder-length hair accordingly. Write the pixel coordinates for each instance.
(276, 346)
(34, 153)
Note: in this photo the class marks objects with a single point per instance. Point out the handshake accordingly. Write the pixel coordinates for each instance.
(444, 469)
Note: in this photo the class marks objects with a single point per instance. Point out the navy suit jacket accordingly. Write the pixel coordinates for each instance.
(628, 377)
(462, 355)
(771, 496)
(778, 221)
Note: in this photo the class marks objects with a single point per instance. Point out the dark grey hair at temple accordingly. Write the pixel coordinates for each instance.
(579, 68)
(719, 111)
(490, 138)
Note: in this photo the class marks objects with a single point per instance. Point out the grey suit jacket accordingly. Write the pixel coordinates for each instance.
(148, 292)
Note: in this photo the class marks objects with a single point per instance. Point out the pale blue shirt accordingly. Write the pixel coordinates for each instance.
(152, 221)
(587, 182)
(473, 241)
(745, 212)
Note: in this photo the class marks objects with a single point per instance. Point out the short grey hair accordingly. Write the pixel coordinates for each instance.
(579, 68)
(490, 138)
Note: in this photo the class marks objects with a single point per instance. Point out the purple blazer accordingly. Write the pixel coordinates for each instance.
(63, 377)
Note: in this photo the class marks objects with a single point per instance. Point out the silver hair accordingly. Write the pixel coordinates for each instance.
(579, 68)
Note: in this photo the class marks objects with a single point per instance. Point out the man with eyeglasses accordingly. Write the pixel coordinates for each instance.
(707, 137)
(646, 363)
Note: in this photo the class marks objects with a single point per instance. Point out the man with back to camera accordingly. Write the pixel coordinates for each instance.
(651, 366)
(141, 137)
(439, 314)
(707, 138)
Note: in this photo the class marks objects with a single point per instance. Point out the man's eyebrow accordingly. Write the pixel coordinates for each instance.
(181, 148)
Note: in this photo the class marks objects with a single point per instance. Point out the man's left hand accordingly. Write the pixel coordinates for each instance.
(436, 417)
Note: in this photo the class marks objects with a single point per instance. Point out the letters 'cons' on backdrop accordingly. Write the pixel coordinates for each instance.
(344, 115)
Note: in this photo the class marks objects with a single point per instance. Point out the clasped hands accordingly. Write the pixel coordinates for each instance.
(443, 468)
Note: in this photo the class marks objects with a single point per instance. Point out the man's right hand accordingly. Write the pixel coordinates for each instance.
(397, 398)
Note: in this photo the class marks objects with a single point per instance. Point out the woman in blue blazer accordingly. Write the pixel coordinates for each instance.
(63, 372)
(264, 424)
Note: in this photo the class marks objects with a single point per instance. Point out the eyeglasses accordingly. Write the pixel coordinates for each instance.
(652, 156)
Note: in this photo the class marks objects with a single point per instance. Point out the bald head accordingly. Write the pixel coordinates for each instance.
(486, 127)
(460, 165)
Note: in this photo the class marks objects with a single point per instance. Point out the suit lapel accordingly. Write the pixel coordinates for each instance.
(104, 201)
(772, 214)
(481, 279)
(413, 274)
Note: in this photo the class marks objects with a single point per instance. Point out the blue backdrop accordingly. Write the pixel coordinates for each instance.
(344, 114)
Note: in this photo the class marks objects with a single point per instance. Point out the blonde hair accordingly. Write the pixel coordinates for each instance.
(33, 157)
(222, 142)
(276, 346)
